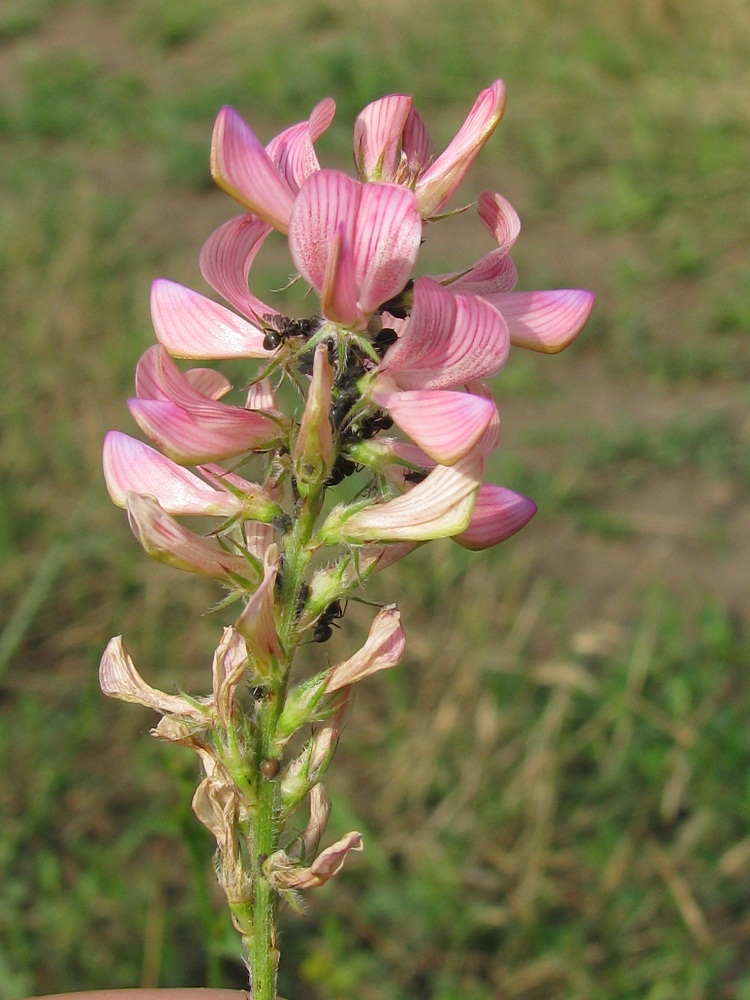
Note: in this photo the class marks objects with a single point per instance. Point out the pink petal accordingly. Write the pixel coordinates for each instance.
(169, 542)
(438, 183)
(118, 678)
(450, 339)
(495, 272)
(133, 467)
(430, 510)
(208, 382)
(499, 218)
(377, 137)
(242, 168)
(226, 259)
(292, 150)
(192, 438)
(338, 296)
(498, 514)
(416, 143)
(491, 437)
(388, 236)
(260, 396)
(325, 210)
(544, 321)
(313, 450)
(191, 326)
(446, 425)
(383, 649)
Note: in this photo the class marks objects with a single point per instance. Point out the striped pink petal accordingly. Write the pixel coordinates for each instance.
(499, 218)
(257, 624)
(189, 325)
(241, 167)
(339, 224)
(498, 514)
(491, 437)
(545, 321)
(495, 272)
(450, 339)
(226, 259)
(439, 181)
(202, 434)
(208, 382)
(430, 510)
(416, 143)
(130, 466)
(446, 425)
(167, 541)
(377, 137)
(292, 150)
(338, 295)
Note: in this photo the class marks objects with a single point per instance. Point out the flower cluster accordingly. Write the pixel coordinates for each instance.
(382, 391)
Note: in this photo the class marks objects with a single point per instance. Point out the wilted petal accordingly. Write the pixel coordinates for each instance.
(292, 150)
(439, 506)
(377, 137)
(383, 649)
(130, 466)
(191, 326)
(118, 678)
(438, 183)
(545, 321)
(282, 874)
(230, 666)
(498, 514)
(257, 624)
(167, 541)
(241, 167)
(226, 259)
(446, 425)
(320, 810)
(449, 339)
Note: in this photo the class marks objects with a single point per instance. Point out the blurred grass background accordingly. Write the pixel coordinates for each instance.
(555, 786)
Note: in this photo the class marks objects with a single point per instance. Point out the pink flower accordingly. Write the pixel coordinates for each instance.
(189, 425)
(356, 244)
(266, 180)
(391, 143)
(449, 340)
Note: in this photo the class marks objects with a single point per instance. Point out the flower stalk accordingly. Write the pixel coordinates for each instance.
(388, 377)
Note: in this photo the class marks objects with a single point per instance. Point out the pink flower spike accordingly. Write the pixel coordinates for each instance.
(292, 150)
(433, 509)
(189, 325)
(383, 649)
(130, 466)
(439, 181)
(446, 425)
(226, 259)
(167, 541)
(241, 167)
(498, 514)
(449, 339)
(545, 321)
(118, 678)
(378, 132)
(257, 624)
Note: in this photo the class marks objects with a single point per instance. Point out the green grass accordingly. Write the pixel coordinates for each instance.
(553, 787)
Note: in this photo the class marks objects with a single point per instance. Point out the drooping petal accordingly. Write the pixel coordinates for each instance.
(292, 150)
(499, 218)
(430, 510)
(320, 810)
(167, 541)
(495, 272)
(377, 137)
(545, 321)
(446, 425)
(283, 875)
(450, 339)
(208, 382)
(498, 514)
(439, 181)
(226, 259)
(118, 678)
(241, 167)
(383, 649)
(191, 326)
(130, 466)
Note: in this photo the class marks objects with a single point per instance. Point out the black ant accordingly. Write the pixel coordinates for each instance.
(400, 304)
(383, 340)
(281, 328)
(323, 627)
(415, 476)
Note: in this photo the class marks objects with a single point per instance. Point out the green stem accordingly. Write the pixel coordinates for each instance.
(263, 951)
